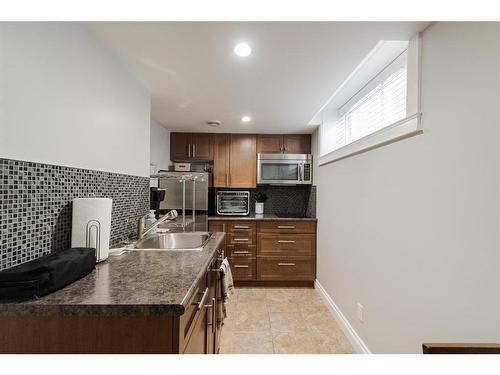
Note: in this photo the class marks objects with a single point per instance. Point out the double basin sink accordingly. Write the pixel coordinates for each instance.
(174, 241)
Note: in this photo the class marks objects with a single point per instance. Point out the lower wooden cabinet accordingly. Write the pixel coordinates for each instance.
(193, 332)
(286, 244)
(242, 268)
(285, 268)
(269, 251)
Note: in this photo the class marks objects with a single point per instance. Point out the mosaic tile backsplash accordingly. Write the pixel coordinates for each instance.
(36, 209)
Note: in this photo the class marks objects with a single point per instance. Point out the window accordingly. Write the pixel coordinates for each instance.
(382, 106)
(378, 103)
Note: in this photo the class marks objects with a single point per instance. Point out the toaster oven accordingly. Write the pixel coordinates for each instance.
(233, 202)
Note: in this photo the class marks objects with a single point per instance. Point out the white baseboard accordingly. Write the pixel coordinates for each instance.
(357, 343)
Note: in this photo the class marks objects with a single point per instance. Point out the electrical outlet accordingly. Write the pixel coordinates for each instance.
(359, 312)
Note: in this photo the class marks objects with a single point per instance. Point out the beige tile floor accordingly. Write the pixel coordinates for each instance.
(280, 321)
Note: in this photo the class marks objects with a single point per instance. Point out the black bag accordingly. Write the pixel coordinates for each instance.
(46, 274)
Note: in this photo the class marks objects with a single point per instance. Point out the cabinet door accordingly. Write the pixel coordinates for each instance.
(180, 146)
(221, 160)
(269, 144)
(197, 343)
(243, 161)
(201, 146)
(297, 144)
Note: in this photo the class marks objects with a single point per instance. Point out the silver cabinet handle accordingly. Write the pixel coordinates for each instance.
(214, 314)
(240, 266)
(286, 264)
(240, 252)
(241, 239)
(189, 150)
(194, 150)
(286, 241)
(286, 227)
(202, 302)
(241, 227)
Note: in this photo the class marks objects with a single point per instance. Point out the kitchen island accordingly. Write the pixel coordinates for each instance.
(137, 302)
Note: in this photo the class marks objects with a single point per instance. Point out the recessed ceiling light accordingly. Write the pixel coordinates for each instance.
(246, 119)
(242, 49)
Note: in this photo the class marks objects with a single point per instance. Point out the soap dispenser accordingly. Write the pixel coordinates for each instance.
(149, 220)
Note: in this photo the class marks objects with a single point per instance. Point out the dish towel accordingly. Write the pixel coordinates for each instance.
(227, 285)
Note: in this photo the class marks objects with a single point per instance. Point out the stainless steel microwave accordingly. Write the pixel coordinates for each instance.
(284, 169)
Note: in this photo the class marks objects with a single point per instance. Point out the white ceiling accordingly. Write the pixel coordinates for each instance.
(194, 76)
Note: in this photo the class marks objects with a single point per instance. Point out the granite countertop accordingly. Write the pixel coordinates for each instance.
(261, 217)
(134, 283)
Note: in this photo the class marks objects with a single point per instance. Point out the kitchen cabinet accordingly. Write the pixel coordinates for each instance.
(297, 144)
(191, 146)
(235, 160)
(240, 245)
(100, 332)
(269, 144)
(284, 144)
(199, 329)
(270, 252)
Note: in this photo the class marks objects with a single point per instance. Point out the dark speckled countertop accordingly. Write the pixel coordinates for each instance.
(260, 217)
(134, 283)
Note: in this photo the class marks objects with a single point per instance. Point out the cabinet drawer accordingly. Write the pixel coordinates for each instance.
(285, 268)
(242, 268)
(241, 238)
(282, 226)
(241, 226)
(286, 244)
(241, 250)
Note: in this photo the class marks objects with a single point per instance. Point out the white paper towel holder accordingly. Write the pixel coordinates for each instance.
(91, 224)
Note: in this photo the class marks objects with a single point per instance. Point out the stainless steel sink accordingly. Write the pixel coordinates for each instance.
(174, 241)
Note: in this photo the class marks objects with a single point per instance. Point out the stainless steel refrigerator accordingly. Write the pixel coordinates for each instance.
(186, 192)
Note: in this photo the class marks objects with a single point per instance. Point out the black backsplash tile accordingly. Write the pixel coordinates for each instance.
(297, 200)
(36, 206)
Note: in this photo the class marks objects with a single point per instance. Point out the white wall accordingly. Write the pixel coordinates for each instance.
(66, 100)
(160, 146)
(411, 230)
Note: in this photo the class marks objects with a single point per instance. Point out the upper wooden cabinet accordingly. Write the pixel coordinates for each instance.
(221, 160)
(243, 161)
(235, 160)
(269, 144)
(191, 146)
(284, 144)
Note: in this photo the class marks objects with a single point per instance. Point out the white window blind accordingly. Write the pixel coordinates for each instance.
(382, 106)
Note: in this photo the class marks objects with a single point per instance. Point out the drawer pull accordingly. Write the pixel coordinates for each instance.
(202, 302)
(241, 227)
(241, 239)
(286, 241)
(240, 252)
(286, 227)
(286, 264)
(240, 266)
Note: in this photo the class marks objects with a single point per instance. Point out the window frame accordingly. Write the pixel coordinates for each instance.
(407, 127)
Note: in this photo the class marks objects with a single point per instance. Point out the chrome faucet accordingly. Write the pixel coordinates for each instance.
(142, 231)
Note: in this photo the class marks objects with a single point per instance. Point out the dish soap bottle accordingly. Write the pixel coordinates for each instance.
(150, 219)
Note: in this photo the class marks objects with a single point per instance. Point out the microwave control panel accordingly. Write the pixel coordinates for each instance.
(307, 172)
